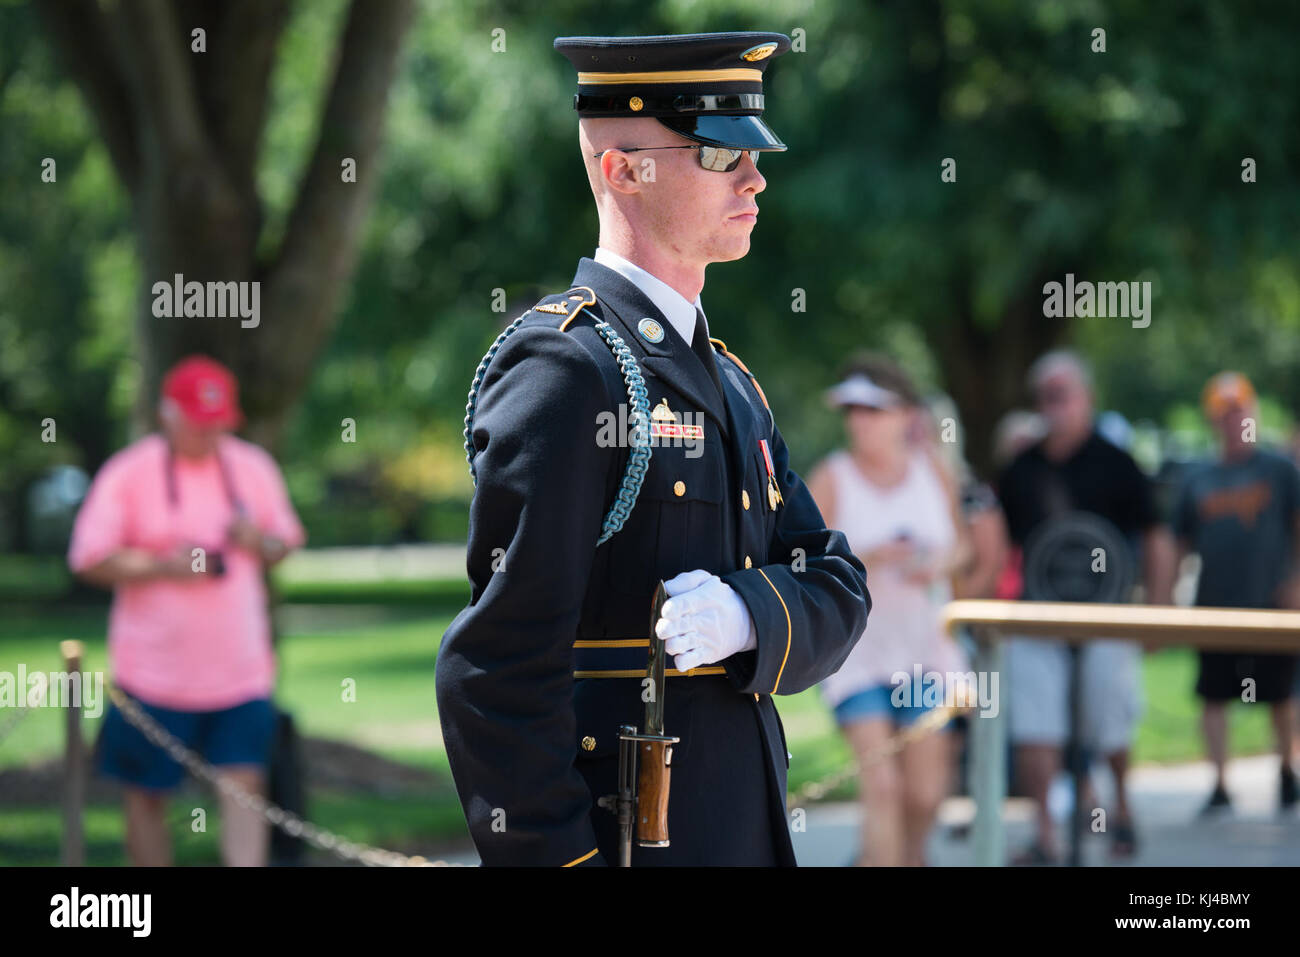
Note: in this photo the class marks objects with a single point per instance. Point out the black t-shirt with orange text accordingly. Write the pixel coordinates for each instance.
(1240, 517)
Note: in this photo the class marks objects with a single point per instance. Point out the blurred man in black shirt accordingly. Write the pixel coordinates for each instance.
(1074, 470)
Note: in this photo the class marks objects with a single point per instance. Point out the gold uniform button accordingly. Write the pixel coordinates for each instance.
(589, 743)
(748, 562)
(755, 695)
(679, 488)
(744, 498)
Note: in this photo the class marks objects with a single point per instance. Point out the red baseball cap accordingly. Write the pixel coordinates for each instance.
(205, 390)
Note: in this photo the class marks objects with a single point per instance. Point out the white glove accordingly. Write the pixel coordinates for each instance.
(703, 621)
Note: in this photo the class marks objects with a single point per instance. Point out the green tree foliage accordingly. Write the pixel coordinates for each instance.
(1114, 166)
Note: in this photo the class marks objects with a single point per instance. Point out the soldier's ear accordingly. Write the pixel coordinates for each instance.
(621, 171)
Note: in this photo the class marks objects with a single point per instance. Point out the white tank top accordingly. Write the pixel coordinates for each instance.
(903, 627)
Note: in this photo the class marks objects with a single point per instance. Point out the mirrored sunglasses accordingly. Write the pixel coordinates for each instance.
(717, 159)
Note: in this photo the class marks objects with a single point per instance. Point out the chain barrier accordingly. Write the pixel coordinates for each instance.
(13, 721)
(21, 712)
(927, 724)
(286, 821)
(325, 840)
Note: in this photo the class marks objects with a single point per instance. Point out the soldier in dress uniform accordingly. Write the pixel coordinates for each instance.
(614, 443)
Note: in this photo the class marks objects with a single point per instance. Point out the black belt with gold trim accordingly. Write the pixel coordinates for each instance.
(624, 658)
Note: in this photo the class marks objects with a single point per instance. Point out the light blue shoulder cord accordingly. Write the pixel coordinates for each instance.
(639, 458)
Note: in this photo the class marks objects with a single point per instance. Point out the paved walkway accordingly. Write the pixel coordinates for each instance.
(375, 563)
(1165, 802)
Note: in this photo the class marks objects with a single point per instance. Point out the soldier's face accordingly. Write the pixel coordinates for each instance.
(701, 215)
(686, 212)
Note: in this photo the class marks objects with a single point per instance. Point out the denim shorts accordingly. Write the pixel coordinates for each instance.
(236, 735)
(877, 702)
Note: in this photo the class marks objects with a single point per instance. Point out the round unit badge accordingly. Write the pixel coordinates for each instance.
(650, 330)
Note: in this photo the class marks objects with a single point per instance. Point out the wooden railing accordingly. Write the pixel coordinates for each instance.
(1154, 626)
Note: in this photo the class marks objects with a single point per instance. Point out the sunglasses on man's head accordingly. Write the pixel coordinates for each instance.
(717, 159)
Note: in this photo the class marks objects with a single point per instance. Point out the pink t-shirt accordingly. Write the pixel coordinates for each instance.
(199, 645)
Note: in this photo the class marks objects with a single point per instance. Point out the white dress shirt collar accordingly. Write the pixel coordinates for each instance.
(679, 312)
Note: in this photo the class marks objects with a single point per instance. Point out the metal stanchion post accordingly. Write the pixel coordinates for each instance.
(1078, 767)
(74, 763)
(988, 743)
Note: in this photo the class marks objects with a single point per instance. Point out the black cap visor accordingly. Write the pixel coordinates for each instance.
(734, 132)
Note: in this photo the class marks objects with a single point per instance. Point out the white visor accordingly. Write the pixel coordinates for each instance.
(858, 389)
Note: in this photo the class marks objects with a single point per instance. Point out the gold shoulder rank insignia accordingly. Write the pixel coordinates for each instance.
(567, 304)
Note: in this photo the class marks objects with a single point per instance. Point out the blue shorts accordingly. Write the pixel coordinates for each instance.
(237, 735)
(877, 702)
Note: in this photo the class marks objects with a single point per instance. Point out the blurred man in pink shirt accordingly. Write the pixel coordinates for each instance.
(180, 524)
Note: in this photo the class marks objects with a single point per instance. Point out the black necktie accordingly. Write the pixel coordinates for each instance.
(704, 352)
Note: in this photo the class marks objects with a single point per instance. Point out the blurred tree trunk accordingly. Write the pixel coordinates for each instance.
(984, 365)
(183, 129)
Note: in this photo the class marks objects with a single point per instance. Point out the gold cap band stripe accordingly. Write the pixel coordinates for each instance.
(674, 76)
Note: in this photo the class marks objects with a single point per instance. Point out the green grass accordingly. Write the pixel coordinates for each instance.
(418, 593)
(390, 663)
(31, 835)
(33, 577)
(388, 669)
(1169, 729)
(45, 578)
